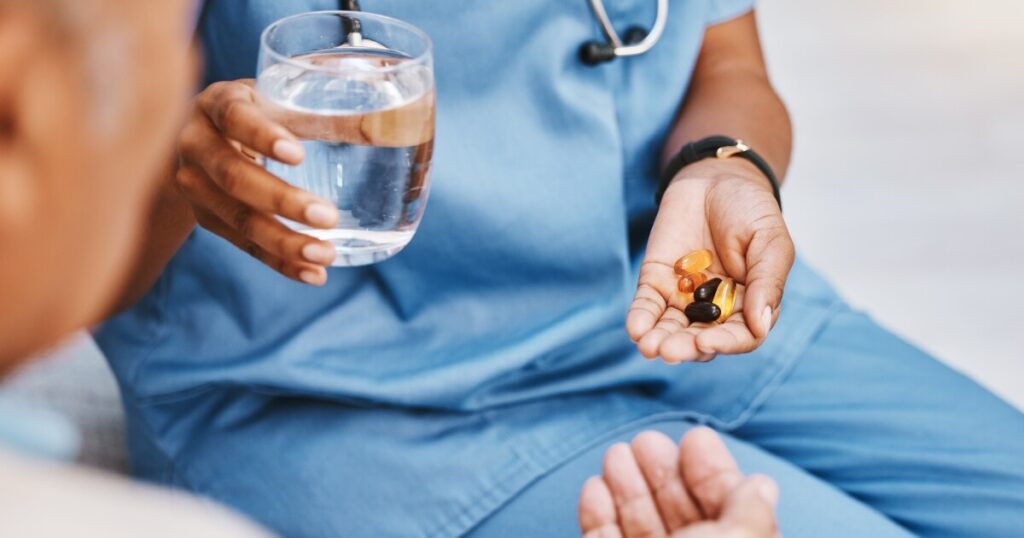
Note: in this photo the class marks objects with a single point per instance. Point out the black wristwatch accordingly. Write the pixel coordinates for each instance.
(720, 147)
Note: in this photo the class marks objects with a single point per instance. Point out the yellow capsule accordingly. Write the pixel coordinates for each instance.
(694, 262)
(690, 282)
(725, 298)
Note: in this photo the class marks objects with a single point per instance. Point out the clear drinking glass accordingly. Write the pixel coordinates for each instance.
(358, 90)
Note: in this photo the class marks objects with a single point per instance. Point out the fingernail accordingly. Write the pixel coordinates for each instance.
(766, 319)
(288, 150)
(310, 277)
(768, 491)
(321, 215)
(318, 253)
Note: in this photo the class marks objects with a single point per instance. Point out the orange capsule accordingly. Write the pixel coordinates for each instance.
(691, 281)
(725, 298)
(694, 262)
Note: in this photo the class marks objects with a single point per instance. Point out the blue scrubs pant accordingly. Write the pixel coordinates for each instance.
(867, 437)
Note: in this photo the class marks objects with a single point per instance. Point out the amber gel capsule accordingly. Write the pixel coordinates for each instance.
(691, 281)
(694, 262)
(725, 298)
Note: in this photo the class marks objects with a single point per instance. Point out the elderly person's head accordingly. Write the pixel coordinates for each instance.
(91, 92)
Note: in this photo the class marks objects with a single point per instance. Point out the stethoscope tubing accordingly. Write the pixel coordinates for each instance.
(614, 46)
(621, 49)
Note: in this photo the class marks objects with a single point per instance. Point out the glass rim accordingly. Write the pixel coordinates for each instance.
(278, 56)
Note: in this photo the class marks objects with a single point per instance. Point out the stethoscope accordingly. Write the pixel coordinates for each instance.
(637, 40)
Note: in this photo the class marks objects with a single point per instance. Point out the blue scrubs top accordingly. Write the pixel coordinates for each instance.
(492, 348)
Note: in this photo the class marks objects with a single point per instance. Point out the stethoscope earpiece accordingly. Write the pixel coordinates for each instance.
(637, 40)
(595, 52)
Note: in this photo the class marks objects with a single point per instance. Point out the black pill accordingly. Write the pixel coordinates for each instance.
(702, 312)
(706, 291)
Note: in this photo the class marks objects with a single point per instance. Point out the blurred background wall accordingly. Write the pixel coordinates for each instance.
(907, 185)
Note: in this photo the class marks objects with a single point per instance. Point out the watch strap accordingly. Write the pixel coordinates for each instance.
(720, 147)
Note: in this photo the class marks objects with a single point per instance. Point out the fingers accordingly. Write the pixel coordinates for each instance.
(303, 272)
(769, 258)
(262, 236)
(672, 322)
(656, 282)
(597, 514)
(749, 511)
(682, 346)
(731, 337)
(647, 307)
(232, 107)
(709, 471)
(239, 177)
(637, 511)
(658, 458)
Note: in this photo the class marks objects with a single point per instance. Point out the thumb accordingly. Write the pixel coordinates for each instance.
(769, 259)
(750, 508)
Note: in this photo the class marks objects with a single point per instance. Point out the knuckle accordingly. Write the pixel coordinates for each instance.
(777, 284)
(232, 112)
(205, 220)
(185, 179)
(217, 87)
(231, 171)
(241, 220)
(188, 140)
(252, 249)
(218, 90)
(279, 201)
(283, 245)
(210, 94)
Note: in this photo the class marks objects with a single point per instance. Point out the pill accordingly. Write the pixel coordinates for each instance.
(706, 291)
(693, 262)
(725, 298)
(702, 312)
(690, 282)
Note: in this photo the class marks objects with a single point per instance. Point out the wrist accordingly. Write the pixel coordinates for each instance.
(710, 171)
(719, 148)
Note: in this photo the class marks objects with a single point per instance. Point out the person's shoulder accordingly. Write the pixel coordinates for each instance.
(46, 499)
(36, 431)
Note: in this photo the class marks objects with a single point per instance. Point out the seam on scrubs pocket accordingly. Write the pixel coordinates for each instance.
(472, 514)
(539, 463)
(163, 329)
(130, 397)
(536, 465)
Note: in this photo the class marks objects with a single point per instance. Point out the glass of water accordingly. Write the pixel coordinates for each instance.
(358, 90)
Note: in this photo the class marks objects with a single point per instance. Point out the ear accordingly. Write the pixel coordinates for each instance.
(20, 38)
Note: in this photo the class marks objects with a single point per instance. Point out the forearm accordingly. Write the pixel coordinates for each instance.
(167, 225)
(730, 94)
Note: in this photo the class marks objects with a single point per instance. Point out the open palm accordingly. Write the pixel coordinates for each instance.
(727, 208)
